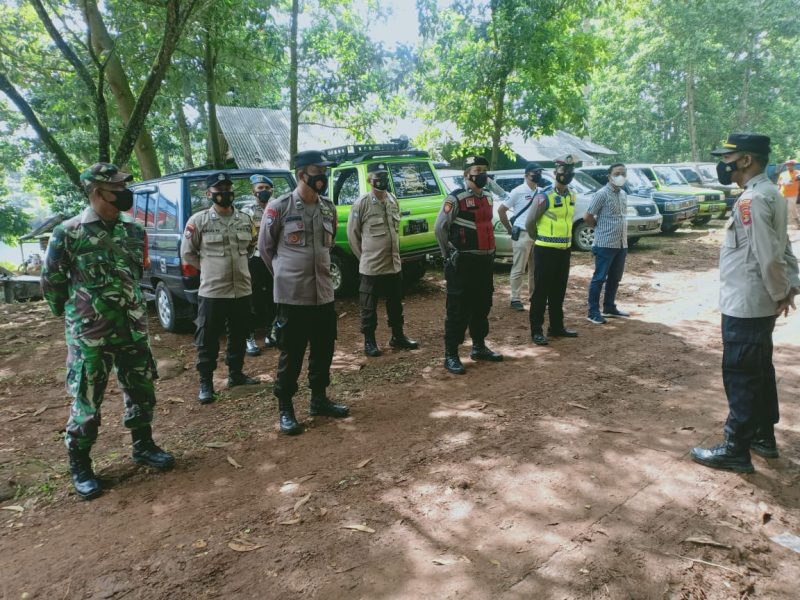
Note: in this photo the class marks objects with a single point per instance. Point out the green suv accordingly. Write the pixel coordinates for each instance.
(414, 182)
(667, 178)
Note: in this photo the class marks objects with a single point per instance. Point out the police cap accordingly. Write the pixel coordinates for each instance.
(377, 167)
(103, 172)
(745, 142)
(311, 157)
(472, 161)
(216, 179)
(254, 179)
(565, 161)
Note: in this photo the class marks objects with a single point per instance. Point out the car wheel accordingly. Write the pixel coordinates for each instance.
(582, 236)
(344, 275)
(165, 307)
(671, 229)
(701, 220)
(632, 241)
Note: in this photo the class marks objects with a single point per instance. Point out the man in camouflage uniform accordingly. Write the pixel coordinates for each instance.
(261, 302)
(91, 276)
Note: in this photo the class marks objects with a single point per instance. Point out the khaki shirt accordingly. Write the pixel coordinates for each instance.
(295, 244)
(220, 247)
(373, 231)
(757, 267)
(256, 212)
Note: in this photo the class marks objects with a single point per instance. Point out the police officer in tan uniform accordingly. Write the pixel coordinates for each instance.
(758, 282)
(262, 303)
(218, 242)
(373, 231)
(295, 243)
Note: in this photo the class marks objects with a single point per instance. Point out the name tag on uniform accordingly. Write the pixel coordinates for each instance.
(470, 202)
(558, 201)
(294, 218)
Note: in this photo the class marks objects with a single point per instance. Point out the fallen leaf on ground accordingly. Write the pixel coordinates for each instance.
(364, 463)
(200, 545)
(39, 411)
(625, 431)
(346, 569)
(323, 511)
(444, 561)
(359, 527)
(301, 501)
(706, 541)
(233, 463)
(13, 507)
(687, 428)
(175, 399)
(295, 521)
(217, 444)
(495, 562)
(243, 545)
(305, 478)
(576, 405)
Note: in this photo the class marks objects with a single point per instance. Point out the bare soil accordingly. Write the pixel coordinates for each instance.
(562, 472)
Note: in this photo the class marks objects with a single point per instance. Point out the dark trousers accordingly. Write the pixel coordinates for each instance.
(749, 376)
(470, 285)
(262, 302)
(609, 264)
(550, 276)
(297, 327)
(215, 316)
(374, 287)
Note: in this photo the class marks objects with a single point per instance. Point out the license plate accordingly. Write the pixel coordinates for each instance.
(415, 226)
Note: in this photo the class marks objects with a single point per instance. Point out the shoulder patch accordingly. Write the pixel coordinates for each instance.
(745, 213)
(189, 232)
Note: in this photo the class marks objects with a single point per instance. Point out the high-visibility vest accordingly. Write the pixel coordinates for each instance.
(472, 227)
(554, 227)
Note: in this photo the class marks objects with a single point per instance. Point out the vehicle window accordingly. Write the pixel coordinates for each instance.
(669, 175)
(241, 188)
(509, 183)
(600, 176)
(708, 172)
(690, 175)
(169, 193)
(638, 179)
(452, 182)
(413, 179)
(140, 207)
(345, 188)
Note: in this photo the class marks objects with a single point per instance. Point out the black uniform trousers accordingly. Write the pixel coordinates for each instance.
(215, 316)
(372, 289)
(297, 327)
(262, 301)
(749, 376)
(550, 276)
(470, 285)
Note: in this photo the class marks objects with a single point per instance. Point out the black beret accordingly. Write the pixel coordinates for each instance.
(745, 142)
(311, 157)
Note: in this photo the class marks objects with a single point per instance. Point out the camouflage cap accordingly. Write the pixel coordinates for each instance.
(104, 173)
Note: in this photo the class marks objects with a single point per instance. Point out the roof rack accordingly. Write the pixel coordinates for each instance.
(361, 152)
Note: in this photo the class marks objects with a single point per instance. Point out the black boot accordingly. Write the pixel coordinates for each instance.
(399, 340)
(370, 345)
(729, 455)
(287, 422)
(452, 363)
(563, 332)
(206, 395)
(145, 451)
(764, 444)
(480, 351)
(80, 465)
(238, 378)
(322, 407)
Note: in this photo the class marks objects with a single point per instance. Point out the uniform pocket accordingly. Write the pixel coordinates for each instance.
(730, 236)
(213, 244)
(327, 225)
(294, 233)
(95, 270)
(396, 223)
(244, 240)
(377, 229)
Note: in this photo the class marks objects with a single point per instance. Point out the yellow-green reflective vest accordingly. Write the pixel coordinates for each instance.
(554, 227)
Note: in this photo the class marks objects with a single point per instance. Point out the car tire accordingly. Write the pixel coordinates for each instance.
(413, 272)
(165, 307)
(702, 220)
(632, 241)
(582, 236)
(344, 275)
(670, 229)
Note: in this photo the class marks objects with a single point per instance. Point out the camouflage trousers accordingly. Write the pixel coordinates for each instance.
(88, 369)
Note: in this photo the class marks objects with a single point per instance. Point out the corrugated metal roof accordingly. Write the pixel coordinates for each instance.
(582, 144)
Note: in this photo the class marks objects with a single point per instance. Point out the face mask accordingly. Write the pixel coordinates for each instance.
(564, 178)
(535, 177)
(381, 184)
(123, 199)
(318, 183)
(223, 199)
(725, 172)
(619, 180)
(264, 195)
(480, 180)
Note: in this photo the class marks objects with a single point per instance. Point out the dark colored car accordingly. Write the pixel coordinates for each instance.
(163, 206)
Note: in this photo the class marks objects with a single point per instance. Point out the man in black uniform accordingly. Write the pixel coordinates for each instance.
(465, 234)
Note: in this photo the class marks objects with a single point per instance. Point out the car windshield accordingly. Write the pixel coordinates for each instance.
(691, 175)
(670, 176)
(584, 184)
(638, 180)
(709, 172)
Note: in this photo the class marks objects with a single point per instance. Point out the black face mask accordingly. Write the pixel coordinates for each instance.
(223, 199)
(318, 183)
(535, 177)
(381, 184)
(564, 178)
(123, 199)
(264, 196)
(480, 180)
(725, 172)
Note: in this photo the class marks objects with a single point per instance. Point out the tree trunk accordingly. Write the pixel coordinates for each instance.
(209, 64)
(498, 121)
(185, 135)
(64, 161)
(690, 111)
(293, 113)
(120, 87)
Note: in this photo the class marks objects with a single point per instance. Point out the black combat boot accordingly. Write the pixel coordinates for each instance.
(80, 465)
(321, 406)
(145, 451)
(452, 363)
(730, 455)
(480, 351)
(399, 340)
(370, 345)
(563, 332)
(238, 378)
(764, 443)
(206, 395)
(539, 339)
(287, 422)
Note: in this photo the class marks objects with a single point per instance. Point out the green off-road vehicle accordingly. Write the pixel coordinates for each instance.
(412, 179)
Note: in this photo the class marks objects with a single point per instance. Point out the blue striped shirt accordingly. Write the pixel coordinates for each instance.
(609, 209)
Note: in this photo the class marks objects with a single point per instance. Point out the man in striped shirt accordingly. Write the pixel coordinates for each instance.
(607, 214)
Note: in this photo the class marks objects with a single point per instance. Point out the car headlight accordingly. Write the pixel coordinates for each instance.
(632, 211)
(671, 206)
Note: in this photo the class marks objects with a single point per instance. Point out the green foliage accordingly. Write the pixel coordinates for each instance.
(13, 221)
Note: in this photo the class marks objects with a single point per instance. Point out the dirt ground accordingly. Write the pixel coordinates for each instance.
(562, 472)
